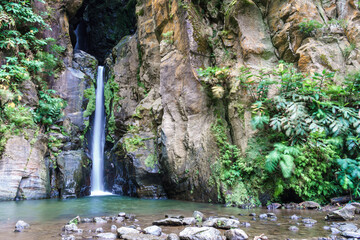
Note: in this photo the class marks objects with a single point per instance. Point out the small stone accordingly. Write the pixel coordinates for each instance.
(99, 230)
(168, 222)
(70, 228)
(189, 221)
(252, 214)
(327, 228)
(122, 214)
(294, 217)
(21, 225)
(119, 219)
(113, 228)
(153, 230)
(203, 233)
(99, 220)
(87, 220)
(347, 227)
(309, 221)
(174, 216)
(273, 206)
(131, 217)
(293, 228)
(310, 205)
(263, 216)
(245, 224)
(235, 234)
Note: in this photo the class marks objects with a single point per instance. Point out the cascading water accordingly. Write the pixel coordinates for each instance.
(98, 139)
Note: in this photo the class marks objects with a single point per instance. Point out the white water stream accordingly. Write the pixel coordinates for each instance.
(98, 139)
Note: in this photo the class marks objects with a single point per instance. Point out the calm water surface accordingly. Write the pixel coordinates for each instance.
(47, 217)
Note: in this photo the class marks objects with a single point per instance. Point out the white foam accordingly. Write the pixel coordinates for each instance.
(100, 193)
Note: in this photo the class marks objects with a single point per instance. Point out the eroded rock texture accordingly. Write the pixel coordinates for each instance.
(164, 114)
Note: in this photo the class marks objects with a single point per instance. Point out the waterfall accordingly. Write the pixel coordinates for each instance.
(98, 138)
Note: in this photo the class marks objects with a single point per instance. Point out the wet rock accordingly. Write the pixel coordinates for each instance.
(106, 235)
(235, 234)
(189, 221)
(294, 217)
(273, 206)
(335, 231)
(309, 221)
(174, 216)
(139, 236)
(349, 234)
(223, 223)
(347, 213)
(203, 233)
(347, 227)
(20, 226)
(122, 214)
(99, 220)
(87, 220)
(113, 228)
(153, 230)
(293, 228)
(252, 214)
(310, 205)
(126, 231)
(199, 216)
(173, 236)
(169, 222)
(357, 207)
(99, 230)
(291, 206)
(263, 216)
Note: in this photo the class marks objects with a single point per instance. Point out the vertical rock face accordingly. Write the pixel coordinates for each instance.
(23, 172)
(161, 97)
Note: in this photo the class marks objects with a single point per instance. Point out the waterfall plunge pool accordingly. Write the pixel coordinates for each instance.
(47, 217)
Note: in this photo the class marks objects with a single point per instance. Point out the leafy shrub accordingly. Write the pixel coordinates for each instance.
(308, 27)
(50, 108)
(215, 80)
(349, 175)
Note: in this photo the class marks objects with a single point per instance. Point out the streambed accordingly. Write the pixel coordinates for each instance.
(47, 217)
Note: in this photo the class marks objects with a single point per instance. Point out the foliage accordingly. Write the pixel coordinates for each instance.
(308, 27)
(112, 98)
(349, 175)
(317, 122)
(215, 78)
(50, 108)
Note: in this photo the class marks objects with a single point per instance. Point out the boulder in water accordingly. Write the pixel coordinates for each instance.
(126, 231)
(293, 228)
(20, 226)
(199, 216)
(202, 233)
(223, 223)
(99, 220)
(347, 213)
(153, 230)
(172, 236)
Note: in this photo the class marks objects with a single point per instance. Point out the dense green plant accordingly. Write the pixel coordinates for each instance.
(50, 108)
(308, 27)
(349, 175)
(214, 80)
(319, 121)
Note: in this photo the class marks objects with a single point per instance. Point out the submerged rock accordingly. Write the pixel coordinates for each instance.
(113, 228)
(235, 234)
(20, 226)
(202, 233)
(273, 206)
(309, 221)
(293, 228)
(349, 234)
(294, 217)
(335, 231)
(347, 213)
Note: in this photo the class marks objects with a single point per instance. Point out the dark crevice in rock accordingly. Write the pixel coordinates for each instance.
(101, 24)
